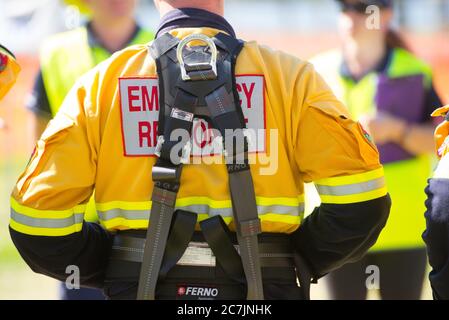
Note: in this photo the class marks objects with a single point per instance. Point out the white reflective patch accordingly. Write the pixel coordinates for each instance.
(139, 99)
(140, 113)
(251, 89)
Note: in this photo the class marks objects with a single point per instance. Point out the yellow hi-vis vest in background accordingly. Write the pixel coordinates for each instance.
(9, 69)
(105, 134)
(66, 56)
(406, 179)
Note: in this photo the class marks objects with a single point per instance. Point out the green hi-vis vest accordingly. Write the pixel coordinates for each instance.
(66, 56)
(406, 179)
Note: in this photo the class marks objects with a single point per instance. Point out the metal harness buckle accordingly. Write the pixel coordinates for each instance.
(200, 66)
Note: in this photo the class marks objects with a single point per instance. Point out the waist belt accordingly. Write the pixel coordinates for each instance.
(210, 255)
(130, 248)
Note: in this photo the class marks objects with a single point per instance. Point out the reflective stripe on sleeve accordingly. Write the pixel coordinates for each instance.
(354, 188)
(46, 222)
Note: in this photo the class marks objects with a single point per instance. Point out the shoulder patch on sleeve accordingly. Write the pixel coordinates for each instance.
(366, 135)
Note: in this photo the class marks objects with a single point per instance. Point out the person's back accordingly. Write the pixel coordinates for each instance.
(109, 123)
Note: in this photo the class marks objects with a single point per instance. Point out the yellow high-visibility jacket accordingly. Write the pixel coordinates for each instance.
(66, 56)
(105, 132)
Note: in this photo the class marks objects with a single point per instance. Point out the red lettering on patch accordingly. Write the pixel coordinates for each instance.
(248, 92)
(132, 97)
(150, 103)
(145, 133)
(140, 106)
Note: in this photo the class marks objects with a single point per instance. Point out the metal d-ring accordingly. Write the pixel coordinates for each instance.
(199, 37)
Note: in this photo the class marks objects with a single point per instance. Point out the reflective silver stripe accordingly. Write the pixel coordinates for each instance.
(200, 209)
(127, 214)
(45, 222)
(351, 189)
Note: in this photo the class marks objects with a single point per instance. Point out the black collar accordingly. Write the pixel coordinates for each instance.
(382, 67)
(193, 18)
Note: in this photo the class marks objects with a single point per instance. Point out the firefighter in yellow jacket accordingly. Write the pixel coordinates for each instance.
(117, 132)
(9, 69)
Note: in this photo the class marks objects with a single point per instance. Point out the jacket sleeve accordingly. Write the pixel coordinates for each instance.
(338, 156)
(336, 234)
(436, 235)
(49, 198)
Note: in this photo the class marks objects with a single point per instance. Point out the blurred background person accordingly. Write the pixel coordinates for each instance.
(390, 91)
(66, 56)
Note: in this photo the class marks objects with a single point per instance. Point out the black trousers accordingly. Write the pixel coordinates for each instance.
(401, 276)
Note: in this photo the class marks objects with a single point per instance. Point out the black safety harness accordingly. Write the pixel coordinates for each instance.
(199, 81)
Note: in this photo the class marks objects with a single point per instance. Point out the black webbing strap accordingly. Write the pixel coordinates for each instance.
(216, 234)
(248, 227)
(181, 233)
(162, 210)
(166, 176)
(130, 248)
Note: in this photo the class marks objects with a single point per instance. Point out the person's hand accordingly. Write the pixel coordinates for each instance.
(385, 128)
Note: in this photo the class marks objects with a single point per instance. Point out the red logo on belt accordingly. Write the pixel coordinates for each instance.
(181, 291)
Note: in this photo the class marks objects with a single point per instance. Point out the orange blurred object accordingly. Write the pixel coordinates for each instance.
(442, 132)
